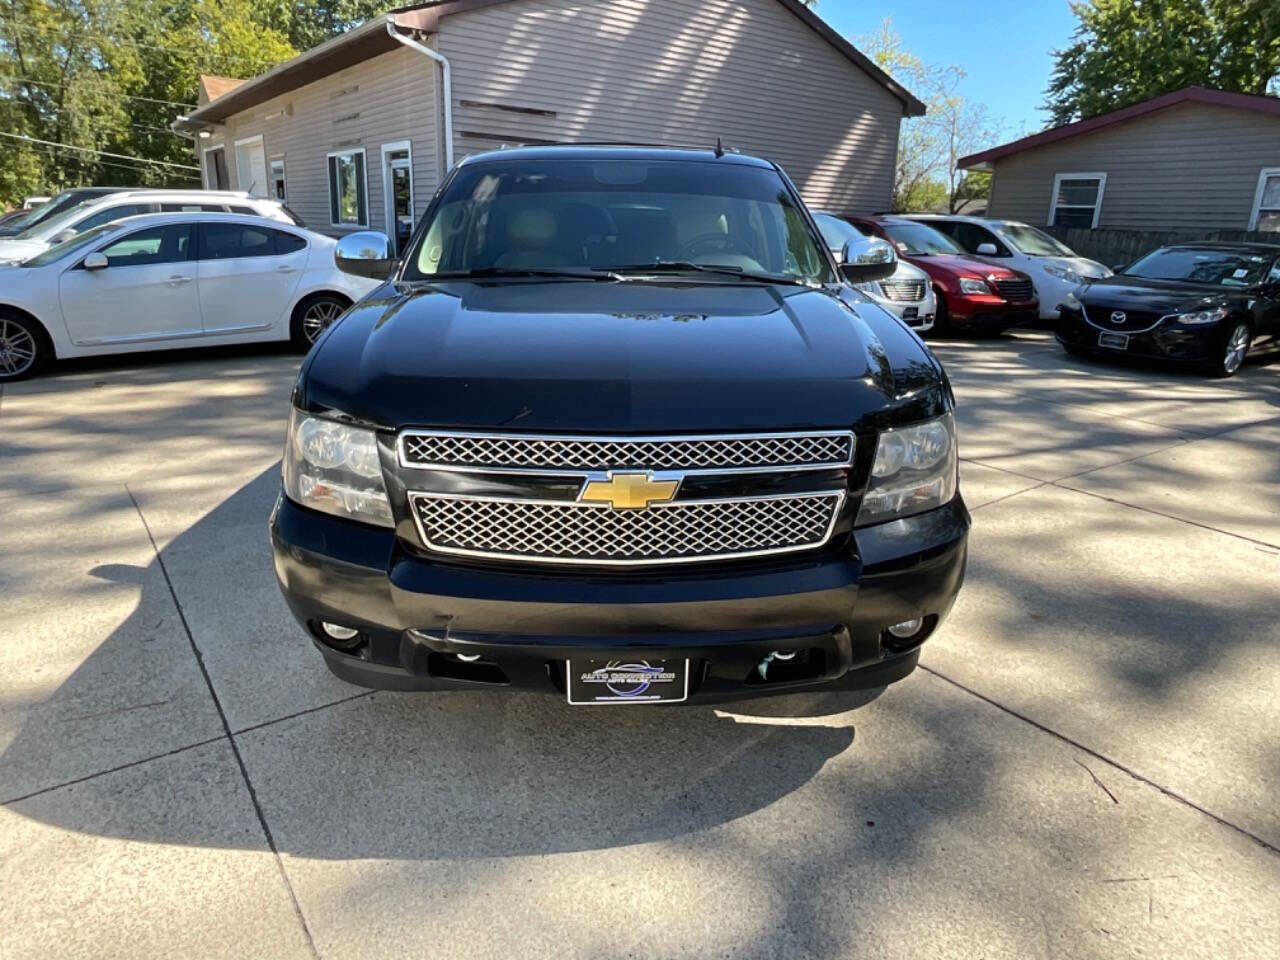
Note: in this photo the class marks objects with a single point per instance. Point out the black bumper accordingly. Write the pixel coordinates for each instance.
(416, 614)
(1167, 341)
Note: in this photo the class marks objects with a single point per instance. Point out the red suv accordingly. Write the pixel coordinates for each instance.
(973, 294)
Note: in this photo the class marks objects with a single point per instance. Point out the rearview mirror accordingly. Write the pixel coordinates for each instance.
(96, 261)
(365, 254)
(987, 250)
(867, 258)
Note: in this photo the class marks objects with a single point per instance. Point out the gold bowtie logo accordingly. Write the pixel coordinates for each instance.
(629, 491)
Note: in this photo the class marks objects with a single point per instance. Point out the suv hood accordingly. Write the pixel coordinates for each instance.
(1089, 269)
(957, 264)
(621, 357)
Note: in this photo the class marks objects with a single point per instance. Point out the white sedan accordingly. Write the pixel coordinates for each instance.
(170, 280)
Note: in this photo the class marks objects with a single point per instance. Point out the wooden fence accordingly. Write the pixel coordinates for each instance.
(1114, 247)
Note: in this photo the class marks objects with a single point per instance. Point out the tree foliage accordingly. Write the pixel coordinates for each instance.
(1126, 51)
(94, 78)
(926, 177)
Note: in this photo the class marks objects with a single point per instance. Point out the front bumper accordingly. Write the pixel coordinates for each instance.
(986, 313)
(417, 614)
(1165, 341)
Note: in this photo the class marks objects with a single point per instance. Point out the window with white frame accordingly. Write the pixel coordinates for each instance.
(1266, 202)
(1077, 199)
(277, 179)
(348, 189)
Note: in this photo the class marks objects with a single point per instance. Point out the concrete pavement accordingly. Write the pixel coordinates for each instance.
(1084, 767)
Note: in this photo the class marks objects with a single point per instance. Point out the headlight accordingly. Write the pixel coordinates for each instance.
(335, 469)
(914, 471)
(973, 285)
(1072, 302)
(1197, 317)
(1062, 273)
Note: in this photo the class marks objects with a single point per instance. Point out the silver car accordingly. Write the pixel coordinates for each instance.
(907, 294)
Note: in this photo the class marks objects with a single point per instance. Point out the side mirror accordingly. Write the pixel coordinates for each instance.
(96, 261)
(867, 258)
(365, 254)
(62, 236)
(987, 250)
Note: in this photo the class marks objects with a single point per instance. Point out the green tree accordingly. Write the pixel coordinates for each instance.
(1124, 51)
(926, 176)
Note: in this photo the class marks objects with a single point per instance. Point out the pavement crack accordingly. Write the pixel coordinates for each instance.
(1101, 786)
(226, 726)
(1115, 764)
(364, 694)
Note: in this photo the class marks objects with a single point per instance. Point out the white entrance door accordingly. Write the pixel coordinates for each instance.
(251, 167)
(397, 189)
(147, 291)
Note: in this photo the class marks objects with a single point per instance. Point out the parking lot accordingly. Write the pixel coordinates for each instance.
(1085, 766)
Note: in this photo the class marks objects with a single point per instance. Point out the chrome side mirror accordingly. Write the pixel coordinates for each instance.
(987, 250)
(867, 258)
(96, 261)
(365, 254)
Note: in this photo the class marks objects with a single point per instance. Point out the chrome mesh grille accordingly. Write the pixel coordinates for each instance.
(1015, 289)
(576, 533)
(592, 453)
(905, 291)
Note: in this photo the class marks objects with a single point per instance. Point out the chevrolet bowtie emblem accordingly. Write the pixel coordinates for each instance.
(629, 491)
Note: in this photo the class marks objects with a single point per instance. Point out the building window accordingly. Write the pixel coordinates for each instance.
(1266, 202)
(1077, 199)
(277, 179)
(348, 189)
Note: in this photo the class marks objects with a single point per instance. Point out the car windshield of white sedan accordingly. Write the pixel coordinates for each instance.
(67, 247)
(591, 217)
(918, 240)
(1033, 242)
(1225, 268)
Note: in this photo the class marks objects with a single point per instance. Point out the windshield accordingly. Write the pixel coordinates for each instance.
(918, 240)
(60, 250)
(1033, 242)
(1226, 268)
(586, 216)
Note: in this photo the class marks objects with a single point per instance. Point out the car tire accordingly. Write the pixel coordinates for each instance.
(1232, 350)
(24, 347)
(941, 319)
(313, 316)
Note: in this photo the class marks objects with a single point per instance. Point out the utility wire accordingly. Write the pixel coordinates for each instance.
(123, 96)
(101, 153)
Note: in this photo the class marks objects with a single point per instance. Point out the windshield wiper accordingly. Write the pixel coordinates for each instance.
(555, 273)
(689, 266)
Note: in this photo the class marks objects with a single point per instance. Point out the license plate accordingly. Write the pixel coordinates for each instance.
(910, 313)
(1115, 341)
(627, 681)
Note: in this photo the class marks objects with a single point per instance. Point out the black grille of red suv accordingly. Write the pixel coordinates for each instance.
(1014, 289)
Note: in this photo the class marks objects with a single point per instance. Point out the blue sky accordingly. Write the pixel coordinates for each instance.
(1003, 45)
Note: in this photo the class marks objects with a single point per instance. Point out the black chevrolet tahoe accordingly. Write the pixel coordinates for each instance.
(618, 427)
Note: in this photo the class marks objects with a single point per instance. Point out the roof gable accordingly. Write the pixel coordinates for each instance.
(1215, 98)
(213, 86)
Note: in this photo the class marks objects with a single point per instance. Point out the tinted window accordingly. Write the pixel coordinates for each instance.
(1035, 243)
(288, 243)
(971, 236)
(617, 214)
(918, 240)
(193, 208)
(167, 244)
(113, 213)
(1227, 268)
(229, 241)
(246, 211)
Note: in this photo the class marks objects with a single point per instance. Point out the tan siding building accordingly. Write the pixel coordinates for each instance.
(1192, 160)
(767, 77)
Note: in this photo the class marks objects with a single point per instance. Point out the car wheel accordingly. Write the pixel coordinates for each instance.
(1233, 351)
(941, 319)
(313, 316)
(24, 348)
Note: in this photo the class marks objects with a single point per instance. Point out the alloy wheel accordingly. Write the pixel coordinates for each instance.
(17, 348)
(318, 316)
(1237, 347)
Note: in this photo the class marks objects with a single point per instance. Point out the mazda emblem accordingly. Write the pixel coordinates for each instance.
(1118, 316)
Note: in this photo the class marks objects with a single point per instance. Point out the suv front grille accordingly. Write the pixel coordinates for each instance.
(903, 291)
(553, 532)
(578, 454)
(1014, 289)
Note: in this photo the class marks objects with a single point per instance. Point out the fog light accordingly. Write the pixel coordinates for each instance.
(335, 631)
(907, 628)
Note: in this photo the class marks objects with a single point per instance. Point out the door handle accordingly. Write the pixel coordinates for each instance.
(285, 269)
(178, 280)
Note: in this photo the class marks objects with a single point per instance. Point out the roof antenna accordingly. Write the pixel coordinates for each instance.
(719, 148)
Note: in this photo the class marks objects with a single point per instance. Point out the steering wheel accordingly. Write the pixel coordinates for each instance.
(714, 243)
